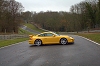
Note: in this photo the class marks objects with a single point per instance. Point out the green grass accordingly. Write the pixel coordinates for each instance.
(93, 36)
(21, 31)
(33, 27)
(11, 41)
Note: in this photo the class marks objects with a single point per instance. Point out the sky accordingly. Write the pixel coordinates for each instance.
(48, 5)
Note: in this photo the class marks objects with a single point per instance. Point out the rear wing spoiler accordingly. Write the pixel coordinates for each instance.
(31, 35)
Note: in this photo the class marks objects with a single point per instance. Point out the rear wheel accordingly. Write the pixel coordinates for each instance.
(63, 41)
(38, 42)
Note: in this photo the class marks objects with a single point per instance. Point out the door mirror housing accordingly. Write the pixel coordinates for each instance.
(54, 35)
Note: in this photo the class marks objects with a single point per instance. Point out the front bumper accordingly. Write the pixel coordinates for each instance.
(71, 40)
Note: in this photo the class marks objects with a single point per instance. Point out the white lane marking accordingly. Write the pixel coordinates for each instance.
(90, 40)
(12, 45)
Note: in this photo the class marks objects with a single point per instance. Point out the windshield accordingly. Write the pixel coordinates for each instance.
(56, 34)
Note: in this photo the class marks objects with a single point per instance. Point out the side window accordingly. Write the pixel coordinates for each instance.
(41, 35)
(49, 34)
(45, 34)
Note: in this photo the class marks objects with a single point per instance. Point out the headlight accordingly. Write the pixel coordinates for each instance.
(71, 37)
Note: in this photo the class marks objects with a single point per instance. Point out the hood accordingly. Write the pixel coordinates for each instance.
(64, 35)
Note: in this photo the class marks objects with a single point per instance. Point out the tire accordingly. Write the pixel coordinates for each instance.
(38, 42)
(63, 41)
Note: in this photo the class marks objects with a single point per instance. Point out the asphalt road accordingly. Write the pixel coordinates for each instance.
(82, 53)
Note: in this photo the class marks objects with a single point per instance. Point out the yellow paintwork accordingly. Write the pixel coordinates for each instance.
(54, 39)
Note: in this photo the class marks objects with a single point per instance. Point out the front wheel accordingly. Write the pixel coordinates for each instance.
(38, 42)
(63, 41)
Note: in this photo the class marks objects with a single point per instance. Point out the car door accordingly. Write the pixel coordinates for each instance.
(50, 38)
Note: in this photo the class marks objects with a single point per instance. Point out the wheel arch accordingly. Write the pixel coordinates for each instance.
(63, 38)
(38, 39)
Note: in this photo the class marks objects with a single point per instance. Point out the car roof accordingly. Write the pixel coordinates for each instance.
(45, 32)
(48, 32)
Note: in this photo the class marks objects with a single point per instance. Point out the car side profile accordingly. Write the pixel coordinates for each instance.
(49, 38)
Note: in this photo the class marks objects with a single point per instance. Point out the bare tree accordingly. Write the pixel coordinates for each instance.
(11, 12)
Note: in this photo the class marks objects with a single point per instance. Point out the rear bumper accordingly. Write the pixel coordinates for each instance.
(31, 42)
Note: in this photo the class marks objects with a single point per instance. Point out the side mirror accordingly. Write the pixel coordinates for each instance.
(53, 35)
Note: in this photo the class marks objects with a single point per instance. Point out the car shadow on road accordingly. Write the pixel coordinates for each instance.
(51, 45)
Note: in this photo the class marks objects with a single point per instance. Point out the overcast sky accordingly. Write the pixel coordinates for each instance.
(48, 5)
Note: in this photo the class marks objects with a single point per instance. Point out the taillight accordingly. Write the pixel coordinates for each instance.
(30, 38)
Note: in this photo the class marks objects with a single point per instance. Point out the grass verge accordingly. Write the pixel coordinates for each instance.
(92, 36)
(21, 31)
(33, 27)
(11, 41)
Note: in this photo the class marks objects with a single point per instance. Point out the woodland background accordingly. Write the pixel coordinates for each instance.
(82, 16)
